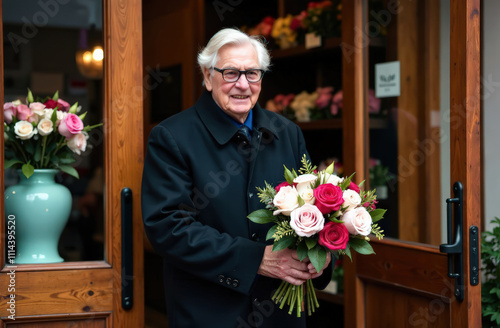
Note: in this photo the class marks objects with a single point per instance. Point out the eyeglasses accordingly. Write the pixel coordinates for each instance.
(232, 75)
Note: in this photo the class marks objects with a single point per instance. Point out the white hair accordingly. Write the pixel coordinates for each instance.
(208, 56)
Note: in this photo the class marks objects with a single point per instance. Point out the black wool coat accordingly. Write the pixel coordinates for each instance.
(199, 185)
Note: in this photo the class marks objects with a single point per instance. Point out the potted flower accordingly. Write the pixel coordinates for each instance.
(490, 290)
(41, 137)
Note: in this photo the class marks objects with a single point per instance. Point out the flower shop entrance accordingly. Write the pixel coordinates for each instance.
(93, 293)
(408, 282)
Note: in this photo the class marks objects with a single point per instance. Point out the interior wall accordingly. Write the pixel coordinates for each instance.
(491, 109)
(170, 38)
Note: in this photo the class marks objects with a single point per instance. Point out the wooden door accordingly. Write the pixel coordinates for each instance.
(406, 284)
(89, 294)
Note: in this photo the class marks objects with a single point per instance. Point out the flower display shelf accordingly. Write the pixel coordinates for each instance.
(336, 123)
(328, 44)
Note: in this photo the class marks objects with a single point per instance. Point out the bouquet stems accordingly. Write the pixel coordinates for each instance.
(293, 296)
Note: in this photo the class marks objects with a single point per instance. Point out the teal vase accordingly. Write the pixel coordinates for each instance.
(40, 208)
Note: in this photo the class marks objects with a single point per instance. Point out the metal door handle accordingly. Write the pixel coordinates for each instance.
(127, 250)
(455, 249)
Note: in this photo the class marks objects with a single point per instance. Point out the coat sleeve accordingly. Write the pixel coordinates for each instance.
(172, 227)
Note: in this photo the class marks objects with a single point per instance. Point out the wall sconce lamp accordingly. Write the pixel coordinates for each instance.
(89, 59)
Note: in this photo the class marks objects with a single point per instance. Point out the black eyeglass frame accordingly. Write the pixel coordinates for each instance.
(221, 71)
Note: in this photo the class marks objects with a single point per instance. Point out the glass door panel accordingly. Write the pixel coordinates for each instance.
(409, 112)
(58, 47)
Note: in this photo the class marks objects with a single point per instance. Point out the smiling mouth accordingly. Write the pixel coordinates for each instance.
(240, 97)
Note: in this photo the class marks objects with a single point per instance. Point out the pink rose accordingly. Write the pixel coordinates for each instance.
(324, 96)
(63, 105)
(78, 143)
(9, 110)
(336, 103)
(354, 187)
(307, 220)
(70, 126)
(328, 198)
(334, 236)
(24, 113)
(358, 221)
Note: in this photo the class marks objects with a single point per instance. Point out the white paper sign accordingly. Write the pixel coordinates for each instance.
(387, 80)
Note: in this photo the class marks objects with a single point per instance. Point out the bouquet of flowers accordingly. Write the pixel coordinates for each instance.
(315, 213)
(44, 134)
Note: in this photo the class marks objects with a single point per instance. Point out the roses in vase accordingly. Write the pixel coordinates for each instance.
(44, 134)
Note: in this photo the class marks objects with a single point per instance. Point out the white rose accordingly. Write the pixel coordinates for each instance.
(45, 127)
(286, 200)
(304, 189)
(24, 130)
(351, 199)
(78, 142)
(59, 114)
(330, 178)
(358, 221)
(307, 220)
(38, 108)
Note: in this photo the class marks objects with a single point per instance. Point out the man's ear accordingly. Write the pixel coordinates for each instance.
(207, 79)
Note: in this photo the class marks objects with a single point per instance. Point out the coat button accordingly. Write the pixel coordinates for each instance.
(228, 281)
(255, 236)
(221, 278)
(236, 283)
(256, 302)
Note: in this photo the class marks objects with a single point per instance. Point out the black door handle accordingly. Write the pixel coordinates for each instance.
(127, 250)
(454, 249)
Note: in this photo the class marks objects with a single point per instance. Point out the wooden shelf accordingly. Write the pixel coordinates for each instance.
(328, 44)
(336, 123)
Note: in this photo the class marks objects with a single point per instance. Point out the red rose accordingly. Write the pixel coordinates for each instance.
(328, 198)
(50, 104)
(372, 206)
(354, 187)
(334, 236)
(283, 184)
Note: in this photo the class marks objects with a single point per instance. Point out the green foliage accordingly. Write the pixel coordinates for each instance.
(262, 216)
(490, 291)
(307, 167)
(266, 195)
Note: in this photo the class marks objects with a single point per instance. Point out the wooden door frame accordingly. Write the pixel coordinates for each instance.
(123, 101)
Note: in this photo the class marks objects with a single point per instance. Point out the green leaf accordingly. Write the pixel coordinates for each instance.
(348, 251)
(271, 232)
(300, 201)
(288, 176)
(317, 255)
(11, 162)
(53, 117)
(377, 214)
(284, 242)
(262, 216)
(82, 117)
(69, 170)
(302, 250)
(30, 96)
(361, 246)
(27, 170)
(311, 242)
(330, 168)
(55, 97)
(73, 108)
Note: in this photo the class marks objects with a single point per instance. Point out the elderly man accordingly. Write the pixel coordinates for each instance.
(199, 183)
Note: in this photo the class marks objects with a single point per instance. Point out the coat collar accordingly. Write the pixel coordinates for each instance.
(223, 129)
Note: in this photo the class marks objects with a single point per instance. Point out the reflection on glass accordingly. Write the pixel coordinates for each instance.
(407, 159)
(60, 48)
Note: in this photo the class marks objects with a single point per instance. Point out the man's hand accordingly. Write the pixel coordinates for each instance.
(285, 265)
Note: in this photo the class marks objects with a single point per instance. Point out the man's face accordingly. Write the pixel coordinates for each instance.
(235, 98)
